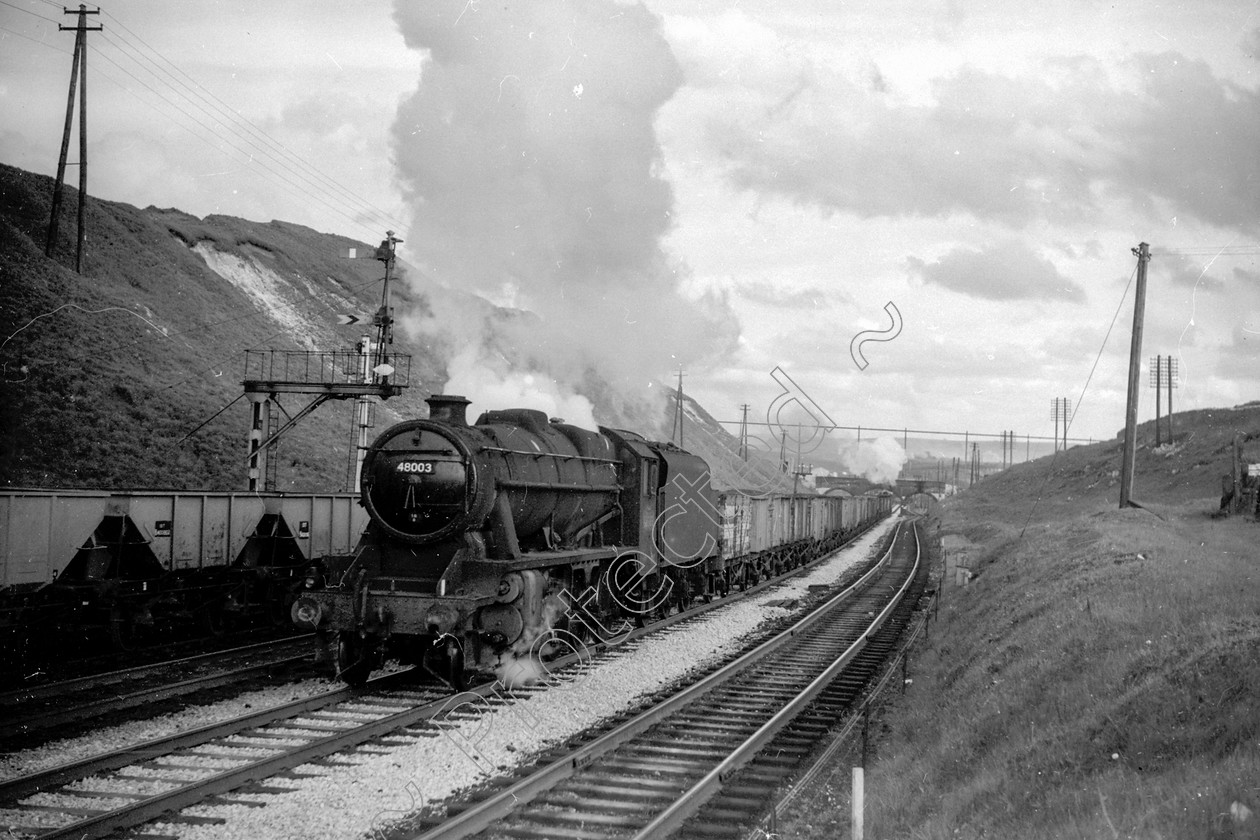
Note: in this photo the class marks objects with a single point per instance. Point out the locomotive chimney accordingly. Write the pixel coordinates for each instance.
(448, 408)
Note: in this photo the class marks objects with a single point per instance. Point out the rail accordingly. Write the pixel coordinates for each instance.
(494, 809)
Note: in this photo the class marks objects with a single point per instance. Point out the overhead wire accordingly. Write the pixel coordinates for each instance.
(220, 113)
(1226, 250)
(28, 11)
(293, 186)
(232, 114)
(34, 40)
(295, 175)
(1080, 399)
(199, 114)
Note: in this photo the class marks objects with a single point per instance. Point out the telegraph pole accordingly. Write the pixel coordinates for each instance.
(1143, 254)
(743, 433)
(678, 412)
(1060, 407)
(1163, 376)
(1171, 367)
(78, 73)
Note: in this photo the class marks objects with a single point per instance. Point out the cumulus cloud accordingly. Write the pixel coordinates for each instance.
(1007, 271)
(774, 294)
(1014, 150)
(529, 156)
(1185, 271)
(1242, 351)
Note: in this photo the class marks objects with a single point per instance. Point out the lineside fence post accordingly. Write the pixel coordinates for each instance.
(859, 795)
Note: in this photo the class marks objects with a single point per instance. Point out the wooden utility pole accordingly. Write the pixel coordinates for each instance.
(1165, 376)
(1158, 379)
(1142, 251)
(678, 412)
(743, 433)
(1060, 407)
(78, 73)
(1237, 471)
(1172, 381)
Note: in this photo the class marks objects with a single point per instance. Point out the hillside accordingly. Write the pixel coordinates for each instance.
(105, 373)
(110, 375)
(1096, 678)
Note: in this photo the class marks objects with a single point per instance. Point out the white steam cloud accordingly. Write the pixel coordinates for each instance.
(879, 460)
(529, 156)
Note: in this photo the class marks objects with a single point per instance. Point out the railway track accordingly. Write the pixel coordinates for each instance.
(701, 763)
(35, 710)
(128, 787)
(71, 667)
(110, 791)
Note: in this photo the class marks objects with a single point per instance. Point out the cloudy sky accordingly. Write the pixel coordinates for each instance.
(734, 188)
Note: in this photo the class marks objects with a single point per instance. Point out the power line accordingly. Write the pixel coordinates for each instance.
(1226, 251)
(379, 214)
(199, 114)
(229, 119)
(244, 152)
(292, 187)
(29, 12)
(1102, 347)
(52, 47)
(1050, 471)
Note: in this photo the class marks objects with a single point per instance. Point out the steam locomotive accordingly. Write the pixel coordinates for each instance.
(486, 540)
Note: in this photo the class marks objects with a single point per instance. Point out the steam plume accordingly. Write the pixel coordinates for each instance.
(529, 156)
(879, 460)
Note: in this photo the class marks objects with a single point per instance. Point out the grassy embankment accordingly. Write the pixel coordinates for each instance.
(1099, 677)
(110, 374)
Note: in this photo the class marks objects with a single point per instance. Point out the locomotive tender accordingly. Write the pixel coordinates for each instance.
(485, 541)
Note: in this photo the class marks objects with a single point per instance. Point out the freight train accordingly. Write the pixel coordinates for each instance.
(109, 573)
(485, 540)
